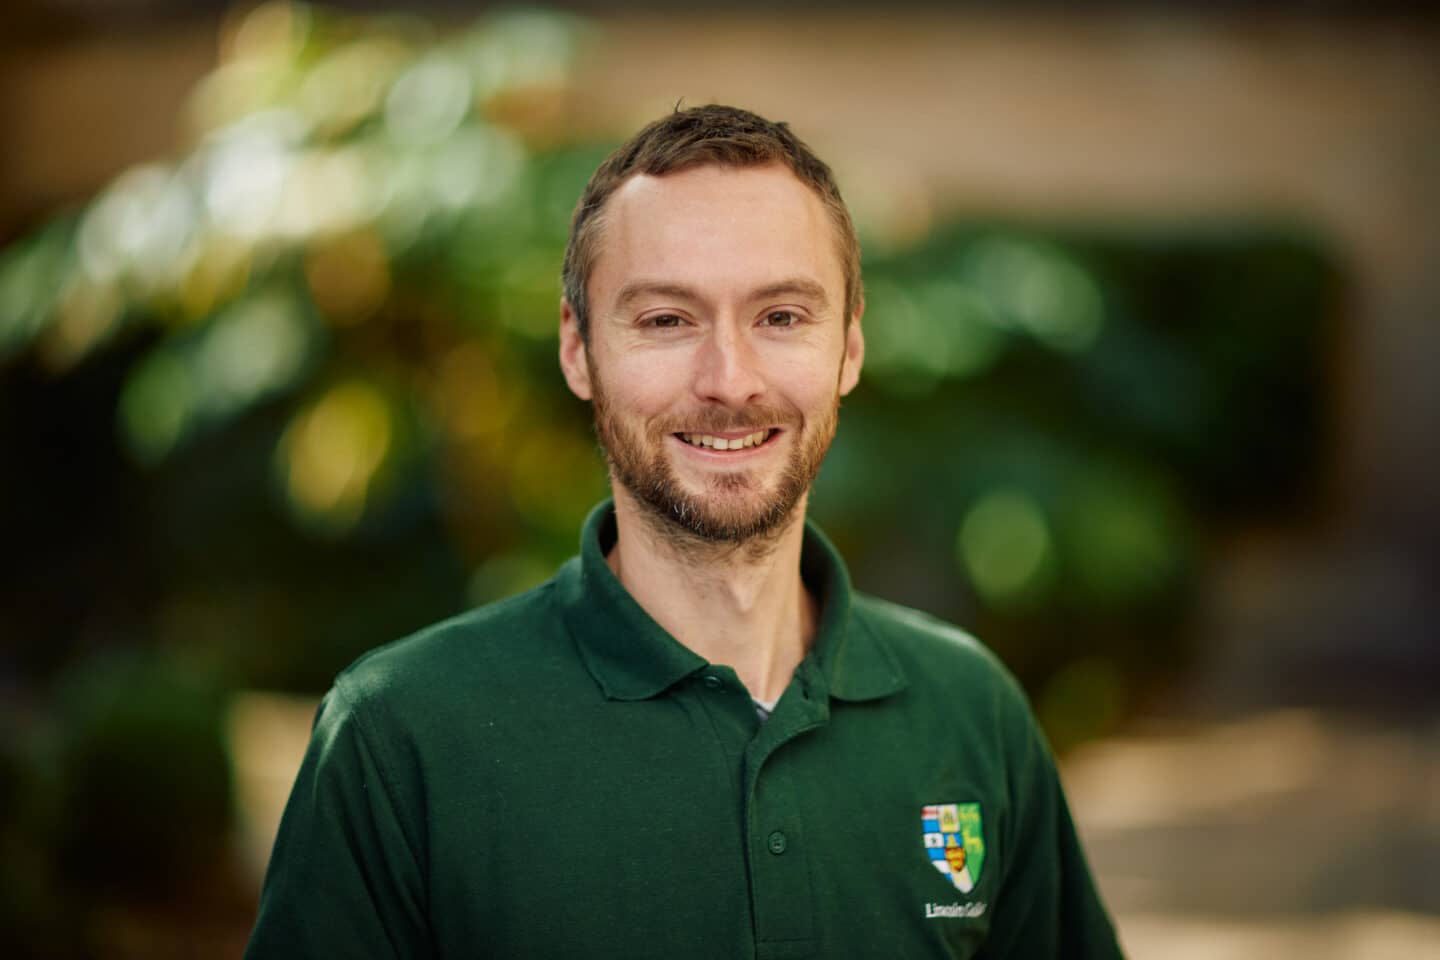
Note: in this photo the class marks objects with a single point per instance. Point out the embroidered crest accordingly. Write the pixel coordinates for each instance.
(955, 841)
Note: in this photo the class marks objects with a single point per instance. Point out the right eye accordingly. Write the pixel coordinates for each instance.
(664, 320)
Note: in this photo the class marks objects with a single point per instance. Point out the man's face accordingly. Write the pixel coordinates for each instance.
(718, 347)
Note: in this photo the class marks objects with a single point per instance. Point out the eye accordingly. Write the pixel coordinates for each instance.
(781, 318)
(664, 320)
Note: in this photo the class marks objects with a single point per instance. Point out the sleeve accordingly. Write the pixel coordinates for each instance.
(1047, 906)
(344, 879)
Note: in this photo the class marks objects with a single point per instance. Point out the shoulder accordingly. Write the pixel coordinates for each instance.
(959, 692)
(479, 652)
(939, 656)
(914, 635)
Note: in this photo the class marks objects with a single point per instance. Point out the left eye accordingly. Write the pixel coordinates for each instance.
(780, 318)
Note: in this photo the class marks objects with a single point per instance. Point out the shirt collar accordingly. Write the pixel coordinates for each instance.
(632, 657)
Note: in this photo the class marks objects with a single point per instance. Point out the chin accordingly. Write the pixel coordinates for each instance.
(726, 512)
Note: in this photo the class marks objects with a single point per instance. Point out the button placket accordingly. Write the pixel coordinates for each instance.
(783, 898)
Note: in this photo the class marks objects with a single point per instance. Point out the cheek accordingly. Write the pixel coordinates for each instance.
(638, 393)
(808, 383)
(650, 379)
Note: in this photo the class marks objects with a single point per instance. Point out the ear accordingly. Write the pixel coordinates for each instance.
(574, 362)
(854, 352)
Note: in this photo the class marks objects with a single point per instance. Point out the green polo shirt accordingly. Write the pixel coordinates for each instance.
(556, 776)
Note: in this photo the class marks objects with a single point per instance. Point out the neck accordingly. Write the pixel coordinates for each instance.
(739, 604)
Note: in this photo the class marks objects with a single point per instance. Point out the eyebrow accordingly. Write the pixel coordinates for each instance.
(635, 289)
(794, 287)
(791, 286)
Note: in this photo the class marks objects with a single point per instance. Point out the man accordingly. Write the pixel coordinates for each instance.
(696, 740)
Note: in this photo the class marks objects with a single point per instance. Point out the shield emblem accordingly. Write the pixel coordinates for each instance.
(955, 841)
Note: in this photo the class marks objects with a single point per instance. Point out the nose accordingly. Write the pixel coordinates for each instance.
(728, 367)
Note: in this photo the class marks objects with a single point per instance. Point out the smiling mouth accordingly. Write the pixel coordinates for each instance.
(711, 442)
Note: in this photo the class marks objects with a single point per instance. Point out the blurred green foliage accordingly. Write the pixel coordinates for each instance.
(120, 798)
(141, 777)
(1050, 419)
(294, 395)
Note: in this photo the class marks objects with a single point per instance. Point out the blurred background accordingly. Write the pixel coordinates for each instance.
(1148, 406)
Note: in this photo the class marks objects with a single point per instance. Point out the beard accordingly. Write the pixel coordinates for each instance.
(734, 508)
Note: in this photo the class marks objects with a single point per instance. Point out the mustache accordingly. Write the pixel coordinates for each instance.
(748, 419)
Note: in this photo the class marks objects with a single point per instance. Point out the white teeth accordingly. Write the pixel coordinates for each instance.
(720, 443)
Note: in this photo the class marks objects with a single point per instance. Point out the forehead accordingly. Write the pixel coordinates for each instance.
(721, 229)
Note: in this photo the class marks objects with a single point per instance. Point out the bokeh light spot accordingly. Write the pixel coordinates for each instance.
(331, 452)
(276, 30)
(156, 404)
(349, 85)
(468, 394)
(1036, 288)
(246, 171)
(428, 101)
(86, 314)
(520, 48)
(349, 276)
(964, 328)
(29, 277)
(1005, 546)
(475, 167)
(1123, 534)
(138, 229)
(899, 344)
(256, 347)
(326, 191)
(216, 275)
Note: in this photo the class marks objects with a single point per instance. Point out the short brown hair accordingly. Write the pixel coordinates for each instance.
(713, 134)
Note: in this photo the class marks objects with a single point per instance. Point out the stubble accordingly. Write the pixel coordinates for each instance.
(733, 511)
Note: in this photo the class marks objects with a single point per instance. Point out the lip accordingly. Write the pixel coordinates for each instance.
(730, 456)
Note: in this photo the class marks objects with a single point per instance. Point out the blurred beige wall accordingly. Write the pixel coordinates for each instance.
(75, 110)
